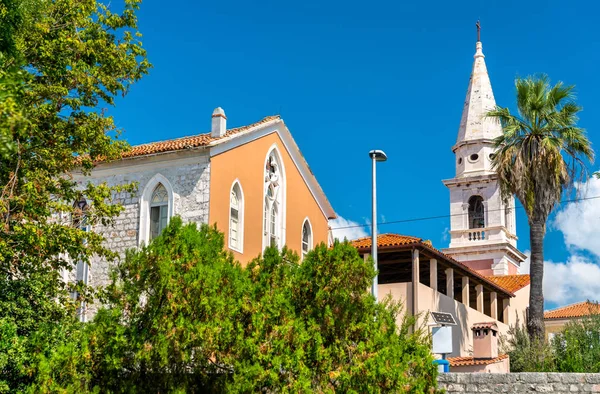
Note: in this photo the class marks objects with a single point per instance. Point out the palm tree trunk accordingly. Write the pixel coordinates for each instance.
(535, 322)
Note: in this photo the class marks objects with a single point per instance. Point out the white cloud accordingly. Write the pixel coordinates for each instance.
(580, 221)
(576, 280)
(347, 229)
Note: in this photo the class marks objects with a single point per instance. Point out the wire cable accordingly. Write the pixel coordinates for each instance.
(448, 216)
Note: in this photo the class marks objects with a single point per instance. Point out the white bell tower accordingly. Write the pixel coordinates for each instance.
(482, 227)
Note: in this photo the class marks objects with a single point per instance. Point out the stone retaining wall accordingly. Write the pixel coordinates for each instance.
(466, 383)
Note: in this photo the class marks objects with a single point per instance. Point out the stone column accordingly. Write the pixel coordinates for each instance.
(450, 282)
(465, 291)
(415, 281)
(505, 305)
(479, 290)
(494, 305)
(433, 282)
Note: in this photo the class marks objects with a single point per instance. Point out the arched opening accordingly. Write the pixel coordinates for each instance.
(236, 218)
(274, 189)
(159, 210)
(306, 238)
(476, 212)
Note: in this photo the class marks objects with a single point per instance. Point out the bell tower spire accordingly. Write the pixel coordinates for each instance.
(482, 226)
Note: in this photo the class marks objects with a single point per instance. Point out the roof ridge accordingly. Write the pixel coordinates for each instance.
(233, 129)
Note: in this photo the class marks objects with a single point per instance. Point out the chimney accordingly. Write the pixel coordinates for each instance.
(485, 340)
(219, 123)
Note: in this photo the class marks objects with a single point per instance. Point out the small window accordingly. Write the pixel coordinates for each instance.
(236, 218)
(474, 157)
(306, 238)
(492, 156)
(459, 160)
(159, 208)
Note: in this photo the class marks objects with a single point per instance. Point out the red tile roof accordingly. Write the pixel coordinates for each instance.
(465, 361)
(384, 240)
(191, 141)
(511, 283)
(580, 309)
(387, 241)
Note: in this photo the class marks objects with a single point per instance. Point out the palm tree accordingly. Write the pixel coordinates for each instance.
(540, 154)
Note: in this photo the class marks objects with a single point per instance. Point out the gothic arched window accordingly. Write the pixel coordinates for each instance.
(306, 238)
(236, 218)
(476, 212)
(273, 185)
(79, 216)
(159, 208)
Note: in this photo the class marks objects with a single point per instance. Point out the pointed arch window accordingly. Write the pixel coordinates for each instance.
(476, 212)
(306, 238)
(82, 269)
(273, 210)
(159, 210)
(236, 218)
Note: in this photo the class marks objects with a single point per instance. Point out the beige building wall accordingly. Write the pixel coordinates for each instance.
(518, 306)
(246, 164)
(431, 300)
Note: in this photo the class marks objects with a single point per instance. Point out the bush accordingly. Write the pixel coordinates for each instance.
(577, 347)
(182, 316)
(527, 355)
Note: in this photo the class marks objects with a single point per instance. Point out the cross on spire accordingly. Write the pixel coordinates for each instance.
(478, 25)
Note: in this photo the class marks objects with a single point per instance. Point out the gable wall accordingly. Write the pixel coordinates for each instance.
(246, 163)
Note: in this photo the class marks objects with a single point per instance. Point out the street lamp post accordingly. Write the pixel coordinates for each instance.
(375, 155)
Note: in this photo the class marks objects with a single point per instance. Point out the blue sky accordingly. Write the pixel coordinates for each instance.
(348, 77)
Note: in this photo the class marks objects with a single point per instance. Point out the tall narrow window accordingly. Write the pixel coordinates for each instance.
(159, 208)
(273, 212)
(476, 212)
(306, 238)
(81, 221)
(236, 218)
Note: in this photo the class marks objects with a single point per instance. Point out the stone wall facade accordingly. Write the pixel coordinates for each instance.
(189, 181)
(559, 383)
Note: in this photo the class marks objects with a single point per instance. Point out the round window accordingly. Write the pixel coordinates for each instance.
(492, 156)
(474, 157)
(460, 160)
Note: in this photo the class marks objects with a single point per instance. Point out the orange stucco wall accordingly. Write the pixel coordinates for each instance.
(246, 164)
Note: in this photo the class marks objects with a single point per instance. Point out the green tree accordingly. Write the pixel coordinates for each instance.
(182, 316)
(61, 62)
(577, 346)
(540, 154)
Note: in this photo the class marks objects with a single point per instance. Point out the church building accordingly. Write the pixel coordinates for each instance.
(251, 181)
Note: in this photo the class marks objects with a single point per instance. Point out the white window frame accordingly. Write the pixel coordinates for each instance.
(240, 234)
(145, 203)
(279, 201)
(158, 205)
(83, 268)
(310, 238)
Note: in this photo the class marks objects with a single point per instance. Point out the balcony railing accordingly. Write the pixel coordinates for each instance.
(476, 235)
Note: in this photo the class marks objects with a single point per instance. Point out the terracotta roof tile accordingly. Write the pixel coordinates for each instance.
(465, 361)
(511, 283)
(580, 309)
(391, 240)
(384, 240)
(193, 141)
(491, 325)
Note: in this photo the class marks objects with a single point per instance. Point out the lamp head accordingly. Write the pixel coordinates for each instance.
(378, 155)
